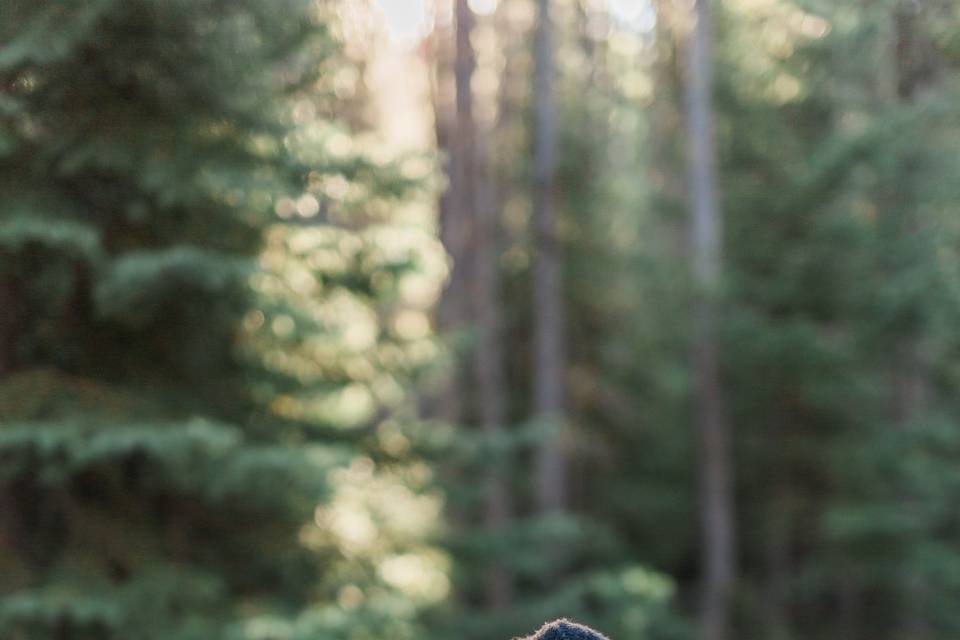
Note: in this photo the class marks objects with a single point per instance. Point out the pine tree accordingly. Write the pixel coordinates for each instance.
(158, 466)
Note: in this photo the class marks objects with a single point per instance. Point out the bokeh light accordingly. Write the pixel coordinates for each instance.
(407, 21)
(483, 7)
(636, 15)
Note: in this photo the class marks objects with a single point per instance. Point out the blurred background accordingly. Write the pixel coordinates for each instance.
(435, 319)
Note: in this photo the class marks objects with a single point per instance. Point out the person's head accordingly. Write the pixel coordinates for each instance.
(565, 630)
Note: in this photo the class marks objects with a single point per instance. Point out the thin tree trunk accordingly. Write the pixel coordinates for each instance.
(446, 403)
(491, 388)
(480, 204)
(465, 143)
(452, 309)
(716, 481)
(551, 480)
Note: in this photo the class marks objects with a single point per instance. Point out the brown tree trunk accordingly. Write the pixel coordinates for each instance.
(446, 402)
(452, 310)
(716, 479)
(480, 203)
(549, 358)
(491, 385)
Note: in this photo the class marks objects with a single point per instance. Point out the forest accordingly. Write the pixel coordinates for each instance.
(439, 319)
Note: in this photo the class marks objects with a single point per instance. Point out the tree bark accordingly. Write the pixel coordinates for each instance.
(480, 203)
(446, 402)
(452, 308)
(716, 480)
(491, 387)
(549, 357)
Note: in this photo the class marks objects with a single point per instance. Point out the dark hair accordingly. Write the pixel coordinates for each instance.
(566, 630)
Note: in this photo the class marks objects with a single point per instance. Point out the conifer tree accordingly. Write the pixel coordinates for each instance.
(158, 346)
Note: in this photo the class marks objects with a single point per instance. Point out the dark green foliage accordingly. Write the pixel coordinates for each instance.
(841, 275)
(590, 563)
(149, 487)
(839, 262)
(212, 330)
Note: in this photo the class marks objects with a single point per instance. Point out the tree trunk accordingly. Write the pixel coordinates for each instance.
(480, 203)
(491, 386)
(452, 308)
(551, 480)
(446, 402)
(716, 482)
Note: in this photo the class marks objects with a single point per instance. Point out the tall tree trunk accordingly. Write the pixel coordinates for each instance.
(716, 480)
(452, 309)
(491, 389)
(481, 204)
(446, 403)
(466, 128)
(551, 472)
